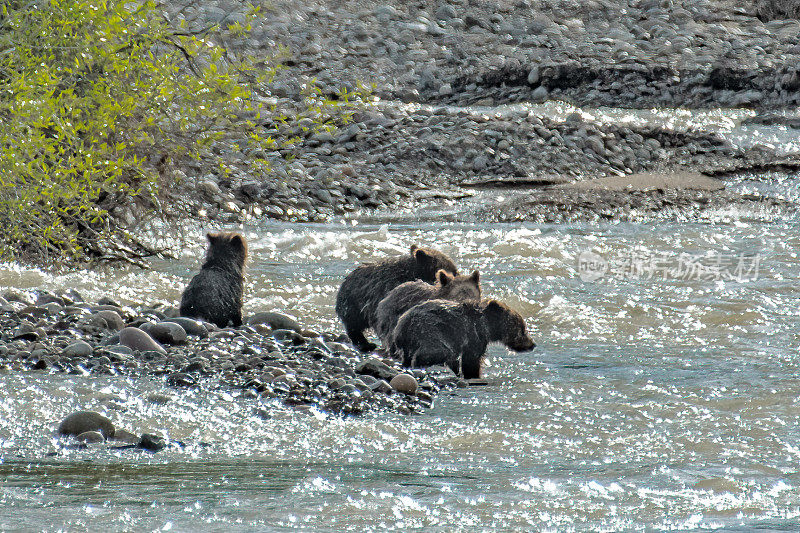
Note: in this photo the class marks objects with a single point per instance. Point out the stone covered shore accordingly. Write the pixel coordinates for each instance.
(272, 357)
(427, 60)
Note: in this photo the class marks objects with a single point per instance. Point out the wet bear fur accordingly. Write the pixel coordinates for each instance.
(367, 285)
(440, 332)
(407, 295)
(215, 293)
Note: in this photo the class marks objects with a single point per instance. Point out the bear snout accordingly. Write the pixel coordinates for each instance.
(524, 344)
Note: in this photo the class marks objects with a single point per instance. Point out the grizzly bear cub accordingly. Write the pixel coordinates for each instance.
(367, 285)
(215, 293)
(456, 334)
(405, 296)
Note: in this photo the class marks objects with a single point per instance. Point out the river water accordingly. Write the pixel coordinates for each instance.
(664, 393)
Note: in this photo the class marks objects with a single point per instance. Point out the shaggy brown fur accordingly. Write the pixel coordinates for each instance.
(215, 293)
(405, 296)
(455, 334)
(367, 285)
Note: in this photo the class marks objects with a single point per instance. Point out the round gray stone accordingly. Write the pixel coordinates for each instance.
(78, 349)
(168, 333)
(376, 368)
(119, 349)
(181, 379)
(91, 437)
(190, 326)
(405, 383)
(111, 318)
(126, 437)
(83, 421)
(275, 320)
(138, 340)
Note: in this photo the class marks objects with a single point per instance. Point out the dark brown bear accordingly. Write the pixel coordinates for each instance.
(215, 293)
(367, 285)
(407, 295)
(439, 332)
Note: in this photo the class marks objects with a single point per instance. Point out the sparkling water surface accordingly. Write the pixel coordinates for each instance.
(657, 398)
(651, 401)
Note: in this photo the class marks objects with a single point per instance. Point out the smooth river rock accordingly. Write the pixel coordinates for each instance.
(83, 421)
(190, 326)
(112, 319)
(168, 333)
(275, 320)
(138, 340)
(78, 349)
(152, 442)
(125, 436)
(405, 383)
(376, 368)
(91, 437)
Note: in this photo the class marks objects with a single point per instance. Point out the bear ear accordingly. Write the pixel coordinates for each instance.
(443, 277)
(494, 305)
(414, 249)
(421, 256)
(211, 237)
(238, 241)
(476, 277)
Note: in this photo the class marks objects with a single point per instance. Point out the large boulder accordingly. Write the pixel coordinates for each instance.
(83, 421)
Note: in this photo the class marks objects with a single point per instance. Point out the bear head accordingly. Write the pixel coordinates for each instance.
(507, 326)
(430, 261)
(458, 288)
(227, 249)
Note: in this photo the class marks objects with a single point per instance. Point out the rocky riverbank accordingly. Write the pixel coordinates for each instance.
(273, 357)
(427, 61)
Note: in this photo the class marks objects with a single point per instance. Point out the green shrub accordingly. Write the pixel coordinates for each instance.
(94, 97)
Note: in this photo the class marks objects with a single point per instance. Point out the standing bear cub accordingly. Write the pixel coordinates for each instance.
(215, 293)
(367, 285)
(407, 295)
(455, 334)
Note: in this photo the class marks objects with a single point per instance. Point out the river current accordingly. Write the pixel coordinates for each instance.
(664, 393)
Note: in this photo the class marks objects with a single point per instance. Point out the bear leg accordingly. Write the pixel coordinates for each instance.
(470, 367)
(360, 341)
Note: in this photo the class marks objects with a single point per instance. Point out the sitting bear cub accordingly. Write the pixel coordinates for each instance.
(405, 296)
(215, 293)
(367, 285)
(456, 334)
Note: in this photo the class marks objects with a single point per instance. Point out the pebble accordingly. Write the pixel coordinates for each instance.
(6, 306)
(539, 95)
(26, 331)
(83, 421)
(16, 295)
(382, 386)
(159, 399)
(126, 437)
(181, 379)
(105, 300)
(119, 349)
